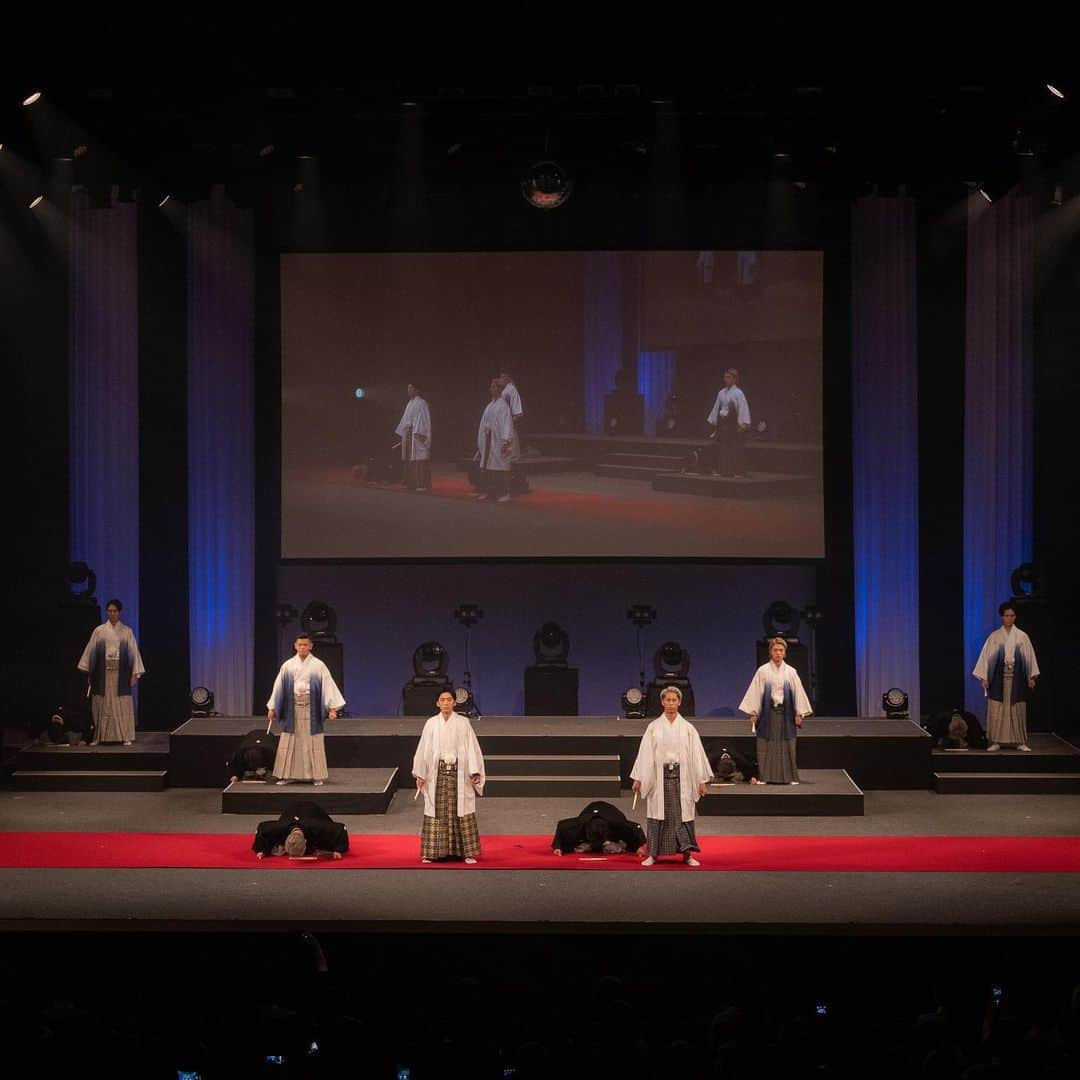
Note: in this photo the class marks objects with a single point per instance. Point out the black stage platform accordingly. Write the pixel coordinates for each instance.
(348, 791)
(819, 793)
(142, 766)
(876, 753)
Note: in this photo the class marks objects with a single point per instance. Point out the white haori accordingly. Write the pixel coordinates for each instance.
(772, 679)
(648, 770)
(1009, 641)
(112, 636)
(454, 737)
(415, 421)
(730, 398)
(495, 437)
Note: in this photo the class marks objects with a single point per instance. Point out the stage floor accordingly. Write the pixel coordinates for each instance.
(540, 900)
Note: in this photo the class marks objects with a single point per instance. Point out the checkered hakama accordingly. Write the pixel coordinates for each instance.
(672, 836)
(446, 834)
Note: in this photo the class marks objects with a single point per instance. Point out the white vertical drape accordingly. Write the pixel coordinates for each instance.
(885, 451)
(221, 464)
(103, 364)
(998, 409)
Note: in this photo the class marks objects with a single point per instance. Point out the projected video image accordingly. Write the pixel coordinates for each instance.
(552, 404)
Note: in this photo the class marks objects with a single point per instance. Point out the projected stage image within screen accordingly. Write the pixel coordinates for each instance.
(531, 404)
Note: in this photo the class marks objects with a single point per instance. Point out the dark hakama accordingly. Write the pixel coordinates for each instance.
(776, 755)
(672, 836)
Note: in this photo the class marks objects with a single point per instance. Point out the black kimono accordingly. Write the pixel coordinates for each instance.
(255, 752)
(319, 828)
(745, 768)
(570, 832)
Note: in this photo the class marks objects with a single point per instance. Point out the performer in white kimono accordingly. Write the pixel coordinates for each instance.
(777, 703)
(672, 772)
(304, 696)
(1007, 669)
(519, 485)
(449, 769)
(494, 446)
(414, 429)
(730, 417)
(112, 659)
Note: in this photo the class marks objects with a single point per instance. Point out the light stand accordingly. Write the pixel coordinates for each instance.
(468, 615)
(641, 615)
(812, 615)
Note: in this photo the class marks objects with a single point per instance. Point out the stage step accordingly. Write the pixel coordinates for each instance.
(819, 793)
(1049, 754)
(500, 765)
(91, 780)
(548, 787)
(655, 462)
(533, 464)
(757, 485)
(149, 752)
(630, 472)
(1007, 783)
(347, 791)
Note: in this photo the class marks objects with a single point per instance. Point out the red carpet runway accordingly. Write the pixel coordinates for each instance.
(837, 854)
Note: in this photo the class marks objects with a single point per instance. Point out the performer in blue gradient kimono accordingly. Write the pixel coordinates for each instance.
(304, 697)
(112, 660)
(777, 703)
(1007, 669)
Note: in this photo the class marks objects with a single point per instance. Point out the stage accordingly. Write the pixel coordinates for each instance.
(448, 899)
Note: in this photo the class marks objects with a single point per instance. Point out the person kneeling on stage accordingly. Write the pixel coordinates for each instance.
(731, 767)
(672, 772)
(600, 827)
(304, 830)
(253, 759)
(777, 703)
(449, 769)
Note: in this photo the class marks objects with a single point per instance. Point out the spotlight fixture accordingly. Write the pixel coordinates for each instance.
(633, 704)
(359, 392)
(164, 201)
(32, 99)
(202, 701)
(551, 646)
(468, 614)
(36, 200)
(82, 581)
(1055, 91)
(464, 702)
(641, 614)
(80, 150)
(895, 703)
(671, 661)
(781, 620)
(430, 662)
(267, 150)
(546, 185)
(319, 620)
(1026, 580)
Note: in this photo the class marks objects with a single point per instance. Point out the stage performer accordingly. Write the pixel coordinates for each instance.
(730, 419)
(1007, 669)
(303, 829)
(600, 827)
(672, 772)
(304, 696)
(494, 446)
(414, 428)
(518, 484)
(735, 768)
(449, 769)
(777, 703)
(253, 759)
(112, 659)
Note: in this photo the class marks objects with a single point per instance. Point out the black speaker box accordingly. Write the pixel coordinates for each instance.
(332, 654)
(551, 691)
(419, 698)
